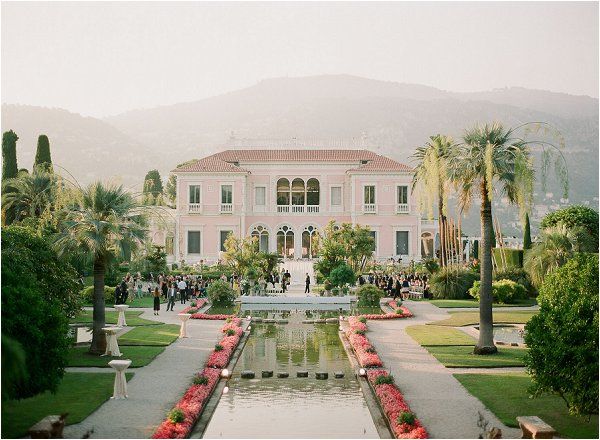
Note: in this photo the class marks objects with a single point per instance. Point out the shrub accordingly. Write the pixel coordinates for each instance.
(512, 257)
(503, 291)
(518, 275)
(87, 295)
(327, 285)
(563, 338)
(192, 310)
(362, 319)
(200, 380)
(370, 350)
(176, 415)
(380, 380)
(230, 332)
(342, 275)
(221, 293)
(218, 347)
(452, 282)
(431, 265)
(406, 417)
(39, 294)
(360, 332)
(369, 295)
(574, 217)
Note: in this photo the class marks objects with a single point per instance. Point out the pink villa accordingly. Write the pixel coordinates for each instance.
(283, 197)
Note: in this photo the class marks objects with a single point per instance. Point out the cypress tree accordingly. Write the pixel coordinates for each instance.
(9, 155)
(42, 155)
(527, 233)
(9, 168)
(153, 187)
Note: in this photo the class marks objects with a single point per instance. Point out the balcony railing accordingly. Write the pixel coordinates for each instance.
(226, 208)
(298, 209)
(195, 208)
(402, 208)
(369, 208)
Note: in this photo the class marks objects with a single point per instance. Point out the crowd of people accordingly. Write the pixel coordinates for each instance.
(398, 285)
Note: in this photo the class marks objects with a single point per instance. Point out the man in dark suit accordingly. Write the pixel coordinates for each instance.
(307, 282)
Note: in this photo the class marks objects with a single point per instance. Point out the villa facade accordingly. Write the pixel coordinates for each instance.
(283, 197)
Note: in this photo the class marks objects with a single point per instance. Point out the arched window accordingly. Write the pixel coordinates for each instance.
(283, 191)
(262, 237)
(312, 192)
(298, 191)
(285, 242)
(308, 236)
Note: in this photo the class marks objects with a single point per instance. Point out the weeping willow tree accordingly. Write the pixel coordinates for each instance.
(492, 159)
(431, 179)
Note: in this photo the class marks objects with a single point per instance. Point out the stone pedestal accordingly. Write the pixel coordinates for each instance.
(121, 309)
(112, 346)
(184, 319)
(120, 389)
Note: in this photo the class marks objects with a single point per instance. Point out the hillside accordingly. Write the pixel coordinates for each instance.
(393, 117)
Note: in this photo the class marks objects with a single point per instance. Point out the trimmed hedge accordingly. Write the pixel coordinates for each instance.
(87, 295)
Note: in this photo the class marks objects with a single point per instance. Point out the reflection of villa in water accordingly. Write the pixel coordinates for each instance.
(284, 197)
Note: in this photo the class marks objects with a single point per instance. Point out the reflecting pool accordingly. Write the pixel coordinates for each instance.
(292, 407)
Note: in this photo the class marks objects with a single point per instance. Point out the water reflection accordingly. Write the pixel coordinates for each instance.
(293, 407)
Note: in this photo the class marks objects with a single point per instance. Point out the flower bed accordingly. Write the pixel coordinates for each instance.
(192, 403)
(210, 317)
(394, 406)
(399, 312)
(367, 357)
(199, 304)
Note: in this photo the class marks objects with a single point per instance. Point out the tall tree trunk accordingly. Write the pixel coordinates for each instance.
(98, 337)
(441, 228)
(485, 345)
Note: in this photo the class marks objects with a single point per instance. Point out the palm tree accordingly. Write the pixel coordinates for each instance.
(431, 173)
(492, 157)
(29, 195)
(101, 226)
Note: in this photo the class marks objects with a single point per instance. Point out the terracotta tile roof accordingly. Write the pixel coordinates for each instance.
(228, 161)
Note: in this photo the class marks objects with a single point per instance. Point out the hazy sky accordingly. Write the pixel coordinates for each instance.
(105, 58)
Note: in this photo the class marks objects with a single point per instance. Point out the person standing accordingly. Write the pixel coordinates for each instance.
(156, 300)
(182, 286)
(307, 283)
(172, 292)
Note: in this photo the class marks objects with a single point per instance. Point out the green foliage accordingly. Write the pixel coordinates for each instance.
(9, 155)
(14, 368)
(363, 319)
(87, 295)
(230, 332)
(347, 243)
(39, 293)
(342, 275)
(553, 250)
(576, 216)
(380, 380)
(527, 233)
(452, 282)
(503, 291)
(42, 155)
(563, 337)
(153, 188)
(221, 293)
(432, 266)
(218, 347)
(518, 275)
(31, 195)
(507, 258)
(176, 415)
(369, 295)
(406, 417)
(360, 332)
(199, 379)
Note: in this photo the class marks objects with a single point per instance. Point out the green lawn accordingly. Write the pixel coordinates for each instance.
(507, 397)
(139, 355)
(163, 334)
(462, 356)
(79, 394)
(454, 303)
(459, 319)
(435, 335)
(133, 318)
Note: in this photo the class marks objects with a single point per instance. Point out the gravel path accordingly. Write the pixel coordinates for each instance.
(444, 406)
(156, 387)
